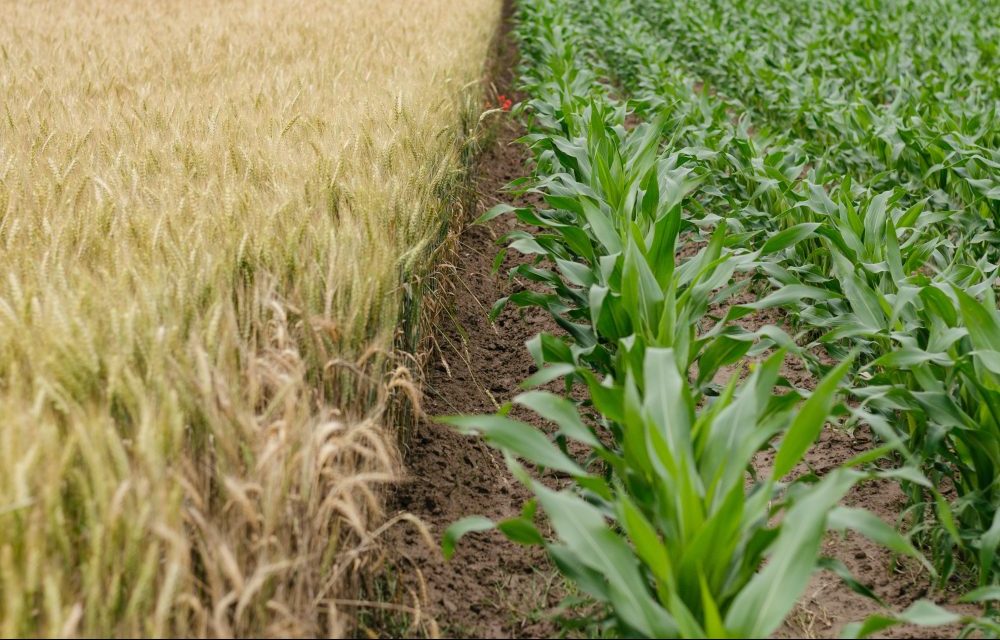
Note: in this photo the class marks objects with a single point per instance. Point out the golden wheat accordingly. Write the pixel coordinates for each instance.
(211, 214)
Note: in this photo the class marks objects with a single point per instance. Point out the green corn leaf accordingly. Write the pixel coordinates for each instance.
(602, 227)
(497, 309)
(908, 474)
(872, 527)
(763, 604)
(892, 253)
(560, 411)
(576, 273)
(875, 219)
(523, 440)
(579, 243)
(809, 420)
(546, 375)
(494, 212)
(790, 294)
(546, 348)
(714, 627)
(641, 294)
(840, 569)
(906, 357)
(989, 593)
(871, 624)
(528, 246)
(864, 300)
(583, 530)
(607, 399)
(723, 351)
(989, 359)
(687, 624)
(927, 614)
(647, 543)
(662, 246)
(667, 398)
(946, 518)
(988, 545)
(461, 527)
(939, 304)
(789, 237)
(521, 531)
(984, 328)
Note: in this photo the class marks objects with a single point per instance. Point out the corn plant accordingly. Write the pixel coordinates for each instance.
(922, 341)
(657, 522)
(659, 525)
(873, 242)
(869, 221)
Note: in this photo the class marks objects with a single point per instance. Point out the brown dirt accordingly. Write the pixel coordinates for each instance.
(493, 588)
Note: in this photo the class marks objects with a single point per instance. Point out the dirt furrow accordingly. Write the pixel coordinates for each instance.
(491, 588)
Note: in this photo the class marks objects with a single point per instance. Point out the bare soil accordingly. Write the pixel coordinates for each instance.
(493, 588)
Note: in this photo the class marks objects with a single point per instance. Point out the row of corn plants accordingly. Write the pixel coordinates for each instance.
(767, 191)
(894, 93)
(895, 265)
(655, 506)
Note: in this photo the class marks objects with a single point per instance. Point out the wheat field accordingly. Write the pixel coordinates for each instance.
(214, 219)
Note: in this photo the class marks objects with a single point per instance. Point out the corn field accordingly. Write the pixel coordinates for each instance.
(232, 238)
(833, 164)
